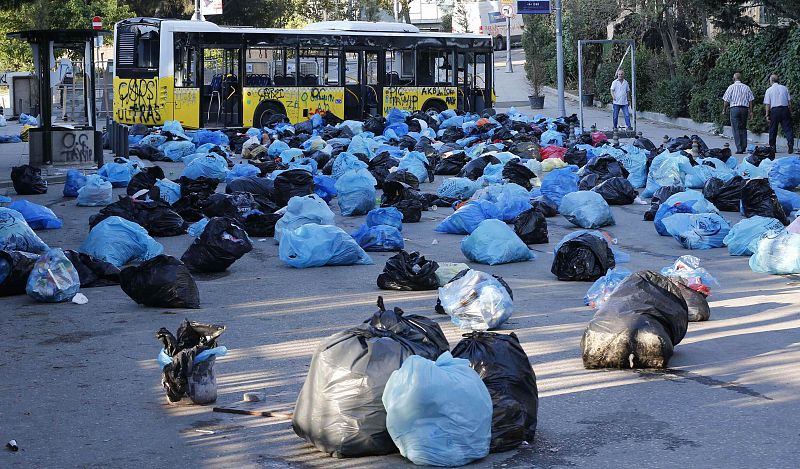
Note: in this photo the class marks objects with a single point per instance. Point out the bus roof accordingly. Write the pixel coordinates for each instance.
(370, 26)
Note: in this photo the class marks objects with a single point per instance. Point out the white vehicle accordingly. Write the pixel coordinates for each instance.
(484, 17)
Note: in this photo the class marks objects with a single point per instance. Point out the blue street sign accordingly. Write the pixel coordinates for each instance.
(496, 17)
(533, 7)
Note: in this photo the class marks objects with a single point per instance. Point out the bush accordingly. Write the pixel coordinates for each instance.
(672, 96)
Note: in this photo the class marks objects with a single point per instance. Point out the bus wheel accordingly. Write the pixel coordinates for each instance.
(499, 43)
(436, 105)
(264, 112)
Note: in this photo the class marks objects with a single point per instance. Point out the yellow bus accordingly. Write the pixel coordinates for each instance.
(210, 76)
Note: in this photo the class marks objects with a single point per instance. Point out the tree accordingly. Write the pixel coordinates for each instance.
(460, 18)
(538, 43)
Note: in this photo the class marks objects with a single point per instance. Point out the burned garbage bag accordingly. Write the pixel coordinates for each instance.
(586, 209)
(340, 409)
(93, 272)
(313, 245)
(119, 241)
(16, 235)
(726, 196)
(506, 371)
(638, 326)
(758, 198)
(583, 258)
(53, 278)
(408, 272)
(162, 281)
(378, 238)
(531, 227)
(430, 429)
(475, 300)
(616, 191)
(15, 268)
(187, 361)
(27, 180)
(493, 242)
(37, 216)
(221, 243)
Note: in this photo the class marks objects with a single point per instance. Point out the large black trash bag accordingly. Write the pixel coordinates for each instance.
(93, 272)
(408, 272)
(190, 206)
(375, 124)
(696, 302)
(202, 185)
(147, 152)
(760, 154)
(424, 145)
(659, 197)
(15, 268)
(396, 191)
(233, 206)
(544, 205)
(758, 198)
(575, 156)
(253, 184)
(411, 210)
(505, 370)
(145, 179)
(644, 144)
(157, 217)
(261, 224)
(518, 173)
(722, 154)
(379, 167)
(638, 325)
(616, 191)
(339, 410)
(451, 163)
(726, 196)
(583, 258)
(526, 150)
(403, 176)
(28, 180)
(474, 169)
(604, 167)
(192, 338)
(221, 243)
(531, 227)
(295, 182)
(162, 281)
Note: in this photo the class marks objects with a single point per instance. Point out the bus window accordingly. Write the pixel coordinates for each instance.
(261, 66)
(352, 70)
(434, 67)
(137, 50)
(319, 66)
(395, 63)
(185, 62)
(147, 49)
(407, 66)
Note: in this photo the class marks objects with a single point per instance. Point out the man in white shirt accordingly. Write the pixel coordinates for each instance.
(778, 111)
(619, 93)
(739, 99)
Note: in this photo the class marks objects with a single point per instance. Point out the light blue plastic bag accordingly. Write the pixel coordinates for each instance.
(302, 210)
(785, 173)
(458, 188)
(665, 211)
(477, 301)
(277, 147)
(177, 150)
(118, 174)
(75, 180)
(38, 217)
(416, 163)
(560, 182)
(789, 200)
(748, 230)
(551, 136)
(493, 242)
(749, 171)
(313, 245)
(96, 192)
(586, 209)
(666, 169)
(242, 170)
(153, 140)
(53, 279)
(16, 235)
(698, 201)
(429, 422)
(355, 191)
(468, 217)
(603, 287)
(697, 231)
(216, 137)
(345, 162)
(379, 238)
(778, 255)
(212, 166)
(385, 216)
(634, 159)
(325, 187)
(362, 144)
(173, 127)
(119, 241)
(169, 191)
(196, 228)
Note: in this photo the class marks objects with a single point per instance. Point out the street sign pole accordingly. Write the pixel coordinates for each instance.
(562, 110)
(509, 65)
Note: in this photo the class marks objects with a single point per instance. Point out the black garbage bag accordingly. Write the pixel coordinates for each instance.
(451, 163)
(261, 224)
(758, 198)
(474, 169)
(396, 191)
(145, 179)
(295, 182)
(375, 124)
(605, 167)
(531, 227)
(408, 272)
(678, 144)
(452, 134)
(15, 268)
(403, 176)
(696, 302)
(27, 180)
(576, 156)
(162, 282)
(544, 205)
(659, 197)
(507, 373)
(147, 152)
(221, 243)
(339, 410)
(410, 208)
(638, 325)
(253, 184)
(157, 217)
(233, 206)
(726, 196)
(583, 258)
(518, 173)
(379, 167)
(93, 272)
(424, 145)
(526, 150)
(190, 206)
(616, 191)
(644, 144)
(202, 185)
(722, 154)
(192, 339)
(268, 166)
(760, 154)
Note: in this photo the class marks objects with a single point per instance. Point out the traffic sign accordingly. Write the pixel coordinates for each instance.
(97, 23)
(533, 7)
(507, 11)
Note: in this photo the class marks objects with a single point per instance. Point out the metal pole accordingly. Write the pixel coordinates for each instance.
(580, 82)
(509, 66)
(560, 63)
(198, 15)
(633, 82)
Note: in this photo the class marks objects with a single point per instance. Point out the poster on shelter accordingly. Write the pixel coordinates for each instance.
(211, 7)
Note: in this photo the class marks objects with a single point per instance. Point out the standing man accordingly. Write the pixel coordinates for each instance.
(778, 111)
(619, 92)
(739, 99)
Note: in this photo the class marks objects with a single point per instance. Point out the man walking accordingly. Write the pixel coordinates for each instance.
(739, 99)
(778, 111)
(619, 93)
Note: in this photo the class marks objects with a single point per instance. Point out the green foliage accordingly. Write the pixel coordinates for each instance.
(447, 22)
(672, 96)
(539, 47)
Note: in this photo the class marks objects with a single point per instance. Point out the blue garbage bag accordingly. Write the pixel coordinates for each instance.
(119, 241)
(665, 210)
(16, 235)
(458, 188)
(177, 150)
(313, 245)
(38, 217)
(212, 166)
(750, 171)
(778, 254)
(196, 228)
(493, 242)
(468, 217)
(153, 140)
(242, 170)
(551, 137)
(362, 144)
(173, 127)
(785, 173)
(476, 301)
(344, 162)
(492, 174)
(75, 180)
(634, 159)
(291, 154)
(302, 210)
(276, 148)
(789, 200)
(742, 234)
(416, 163)
(355, 191)
(10, 139)
(53, 279)
(396, 116)
(697, 230)
(385, 216)
(698, 201)
(25, 119)
(96, 192)
(560, 182)
(169, 191)
(399, 130)
(118, 174)
(510, 199)
(586, 209)
(455, 121)
(379, 238)
(603, 287)
(666, 169)
(217, 137)
(355, 126)
(325, 187)
(429, 422)
(253, 132)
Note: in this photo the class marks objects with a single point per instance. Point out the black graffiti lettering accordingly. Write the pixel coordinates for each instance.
(76, 148)
(139, 101)
(437, 91)
(450, 100)
(321, 95)
(399, 98)
(271, 94)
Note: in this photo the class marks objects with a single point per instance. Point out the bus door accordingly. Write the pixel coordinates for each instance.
(187, 84)
(435, 82)
(374, 80)
(221, 97)
(472, 84)
(352, 75)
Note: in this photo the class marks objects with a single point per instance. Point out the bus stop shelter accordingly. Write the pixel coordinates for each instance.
(63, 144)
